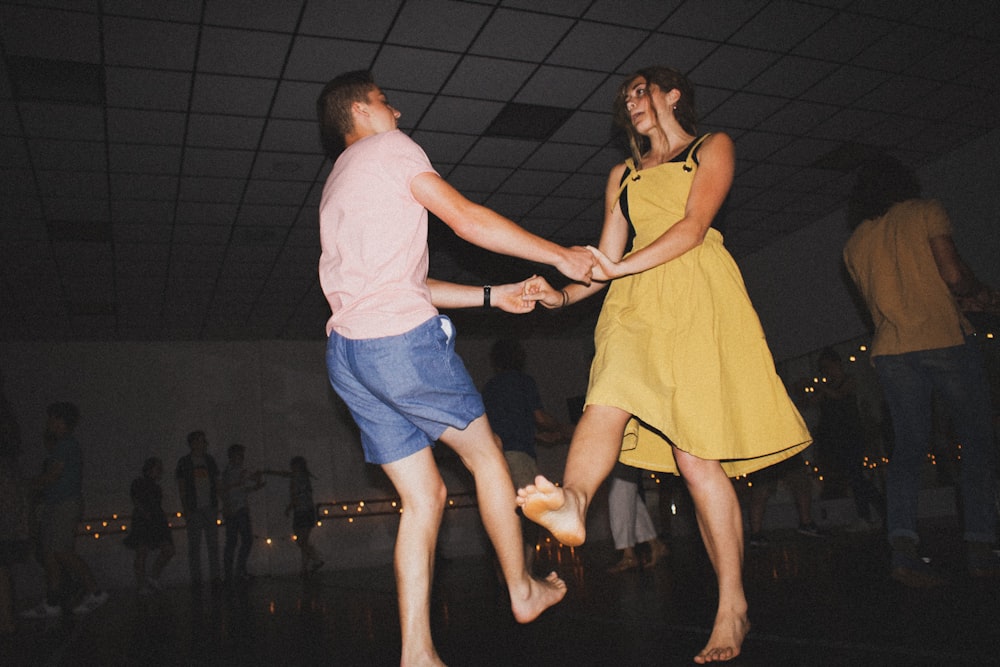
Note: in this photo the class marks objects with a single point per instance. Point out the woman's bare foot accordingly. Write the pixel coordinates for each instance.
(541, 594)
(726, 640)
(554, 509)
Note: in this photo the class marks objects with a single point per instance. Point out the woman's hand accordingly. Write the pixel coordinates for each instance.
(537, 289)
(605, 269)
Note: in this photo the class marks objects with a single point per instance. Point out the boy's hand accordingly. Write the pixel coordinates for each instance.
(577, 264)
(538, 289)
(510, 298)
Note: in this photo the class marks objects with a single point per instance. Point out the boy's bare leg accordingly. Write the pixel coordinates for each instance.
(592, 454)
(721, 524)
(482, 455)
(423, 494)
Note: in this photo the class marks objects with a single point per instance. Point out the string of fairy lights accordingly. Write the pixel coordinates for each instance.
(348, 511)
(351, 511)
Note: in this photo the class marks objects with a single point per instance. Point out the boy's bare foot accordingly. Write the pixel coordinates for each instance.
(726, 639)
(554, 509)
(540, 595)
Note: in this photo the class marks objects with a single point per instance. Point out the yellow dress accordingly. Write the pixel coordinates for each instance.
(680, 347)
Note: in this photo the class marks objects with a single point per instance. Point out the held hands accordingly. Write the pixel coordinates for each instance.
(537, 289)
(577, 264)
(510, 298)
(604, 268)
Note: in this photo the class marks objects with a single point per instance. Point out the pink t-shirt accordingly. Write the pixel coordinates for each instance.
(373, 233)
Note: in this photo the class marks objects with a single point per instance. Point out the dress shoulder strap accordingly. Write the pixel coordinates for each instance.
(629, 168)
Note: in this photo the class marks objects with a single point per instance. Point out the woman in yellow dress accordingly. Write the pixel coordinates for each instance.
(682, 379)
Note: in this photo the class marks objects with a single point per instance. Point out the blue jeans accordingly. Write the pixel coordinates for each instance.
(956, 376)
(198, 521)
(238, 528)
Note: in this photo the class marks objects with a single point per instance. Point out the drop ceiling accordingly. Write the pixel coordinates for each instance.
(161, 167)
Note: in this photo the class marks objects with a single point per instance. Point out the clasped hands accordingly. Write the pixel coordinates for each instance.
(521, 297)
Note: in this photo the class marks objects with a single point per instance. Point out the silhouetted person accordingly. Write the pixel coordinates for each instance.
(904, 262)
(197, 482)
(60, 511)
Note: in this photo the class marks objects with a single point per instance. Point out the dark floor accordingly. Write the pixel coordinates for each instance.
(813, 602)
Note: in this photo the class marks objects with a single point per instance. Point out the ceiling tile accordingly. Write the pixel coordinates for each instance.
(744, 110)
(713, 20)
(520, 35)
(290, 193)
(218, 131)
(488, 78)
(677, 51)
(640, 13)
(443, 147)
(152, 44)
(500, 151)
(147, 88)
(354, 19)
(780, 25)
(291, 135)
(175, 10)
(242, 52)
(207, 189)
(145, 126)
(790, 76)
(413, 69)
(245, 96)
(453, 114)
(559, 86)
(559, 157)
(593, 45)
(845, 85)
(797, 117)
(50, 33)
(62, 121)
(468, 179)
(287, 166)
(257, 14)
(53, 154)
(217, 162)
(899, 49)
(159, 213)
(732, 66)
(843, 37)
(268, 217)
(134, 158)
(420, 24)
(143, 187)
(67, 208)
(532, 182)
(313, 58)
(296, 100)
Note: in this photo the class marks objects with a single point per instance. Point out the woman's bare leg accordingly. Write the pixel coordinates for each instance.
(597, 440)
(721, 524)
(482, 455)
(423, 495)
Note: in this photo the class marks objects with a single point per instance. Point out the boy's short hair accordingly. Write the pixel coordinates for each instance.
(236, 449)
(333, 108)
(195, 435)
(66, 412)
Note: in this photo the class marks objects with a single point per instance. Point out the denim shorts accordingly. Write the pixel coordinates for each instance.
(403, 391)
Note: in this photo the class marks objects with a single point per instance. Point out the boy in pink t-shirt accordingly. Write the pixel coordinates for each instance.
(390, 354)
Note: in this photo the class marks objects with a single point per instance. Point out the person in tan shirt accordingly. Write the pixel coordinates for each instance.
(904, 261)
